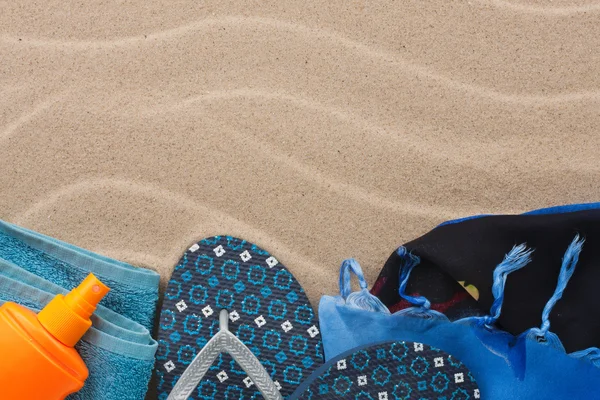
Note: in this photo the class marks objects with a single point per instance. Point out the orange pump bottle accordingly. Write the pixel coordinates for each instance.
(37, 358)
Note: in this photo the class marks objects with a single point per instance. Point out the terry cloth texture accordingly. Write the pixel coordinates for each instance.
(118, 349)
(466, 251)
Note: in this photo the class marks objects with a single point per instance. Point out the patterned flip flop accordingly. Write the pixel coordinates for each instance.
(267, 309)
(391, 371)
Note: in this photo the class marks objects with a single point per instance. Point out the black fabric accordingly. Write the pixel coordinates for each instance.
(469, 251)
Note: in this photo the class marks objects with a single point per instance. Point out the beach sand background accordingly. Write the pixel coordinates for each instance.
(319, 130)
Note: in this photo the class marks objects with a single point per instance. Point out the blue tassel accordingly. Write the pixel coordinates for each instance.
(408, 262)
(518, 257)
(566, 271)
(361, 299)
(570, 259)
(350, 266)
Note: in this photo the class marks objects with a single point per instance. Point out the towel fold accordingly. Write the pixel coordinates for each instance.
(118, 349)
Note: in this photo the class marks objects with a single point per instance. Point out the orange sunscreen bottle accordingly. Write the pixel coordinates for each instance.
(37, 358)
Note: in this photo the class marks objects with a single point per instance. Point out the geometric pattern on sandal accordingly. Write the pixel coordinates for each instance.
(268, 311)
(393, 370)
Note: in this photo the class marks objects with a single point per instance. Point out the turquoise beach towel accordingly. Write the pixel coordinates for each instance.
(118, 349)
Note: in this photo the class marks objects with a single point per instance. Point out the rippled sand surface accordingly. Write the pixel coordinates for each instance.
(319, 130)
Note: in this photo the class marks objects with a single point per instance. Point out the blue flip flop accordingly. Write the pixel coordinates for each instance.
(266, 308)
(391, 371)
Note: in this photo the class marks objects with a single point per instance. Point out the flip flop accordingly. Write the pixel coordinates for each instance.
(391, 371)
(267, 311)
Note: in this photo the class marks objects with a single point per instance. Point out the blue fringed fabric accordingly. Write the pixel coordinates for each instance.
(529, 366)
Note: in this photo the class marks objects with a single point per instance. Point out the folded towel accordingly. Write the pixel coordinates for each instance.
(118, 349)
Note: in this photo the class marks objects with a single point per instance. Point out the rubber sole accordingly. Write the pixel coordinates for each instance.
(268, 311)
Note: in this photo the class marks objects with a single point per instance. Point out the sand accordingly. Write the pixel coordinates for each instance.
(319, 130)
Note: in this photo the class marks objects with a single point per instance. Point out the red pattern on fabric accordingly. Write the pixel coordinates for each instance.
(378, 286)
